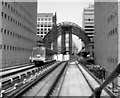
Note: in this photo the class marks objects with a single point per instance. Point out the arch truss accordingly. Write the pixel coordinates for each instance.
(61, 29)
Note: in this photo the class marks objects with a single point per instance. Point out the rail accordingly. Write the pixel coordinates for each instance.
(113, 75)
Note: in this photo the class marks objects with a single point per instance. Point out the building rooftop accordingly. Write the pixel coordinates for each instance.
(45, 15)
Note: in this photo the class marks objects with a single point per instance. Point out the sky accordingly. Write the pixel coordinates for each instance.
(66, 10)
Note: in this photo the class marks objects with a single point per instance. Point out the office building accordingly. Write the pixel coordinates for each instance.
(107, 35)
(88, 24)
(18, 32)
(45, 22)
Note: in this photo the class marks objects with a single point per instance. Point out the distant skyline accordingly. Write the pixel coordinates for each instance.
(66, 10)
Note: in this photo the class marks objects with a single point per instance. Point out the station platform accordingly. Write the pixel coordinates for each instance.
(75, 84)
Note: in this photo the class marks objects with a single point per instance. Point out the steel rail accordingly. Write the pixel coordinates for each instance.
(49, 93)
(18, 92)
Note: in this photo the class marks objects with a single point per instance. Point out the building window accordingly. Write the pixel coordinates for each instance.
(89, 26)
(10, 33)
(2, 14)
(45, 25)
(5, 3)
(37, 32)
(45, 29)
(5, 15)
(8, 6)
(49, 19)
(38, 19)
(4, 47)
(116, 30)
(38, 25)
(4, 31)
(89, 29)
(7, 32)
(48, 29)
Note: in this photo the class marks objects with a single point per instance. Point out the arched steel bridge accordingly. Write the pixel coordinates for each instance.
(57, 30)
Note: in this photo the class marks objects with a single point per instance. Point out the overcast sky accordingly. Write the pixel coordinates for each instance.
(66, 10)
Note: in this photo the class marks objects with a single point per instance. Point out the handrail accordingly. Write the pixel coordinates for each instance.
(112, 76)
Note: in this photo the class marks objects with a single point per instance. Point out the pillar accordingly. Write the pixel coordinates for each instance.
(63, 48)
(55, 45)
(70, 41)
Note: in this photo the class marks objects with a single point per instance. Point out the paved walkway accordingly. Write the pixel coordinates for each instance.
(74, 83)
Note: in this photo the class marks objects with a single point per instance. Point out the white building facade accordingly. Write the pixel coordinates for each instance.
(45, 22)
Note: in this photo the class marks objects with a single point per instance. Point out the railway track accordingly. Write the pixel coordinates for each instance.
(24, 87)
(58, 86)
(51, 82)
(17, 76)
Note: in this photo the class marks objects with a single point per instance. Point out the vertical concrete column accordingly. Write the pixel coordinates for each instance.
(63, 49)
(55, 45)
(70, 41)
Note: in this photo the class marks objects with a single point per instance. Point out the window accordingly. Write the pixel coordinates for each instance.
(38, 19)
(2, 14)
(37, 32)
(45, 25)
(49, 19)
(8, 6)
(4, 47)
(48, 29)
(4, 31)
(116, 30)
(8, 17)
(41, 35)
(5, 15)
(10, 33)
(89, 26)
(7, 32)
(5, 3)
(38, 29)
(41, 32)
(2, 2)
(13, 47)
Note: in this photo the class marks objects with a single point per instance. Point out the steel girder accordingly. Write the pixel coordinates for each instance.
(56, 31)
